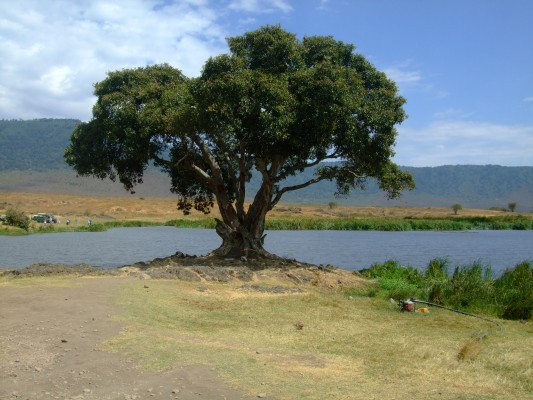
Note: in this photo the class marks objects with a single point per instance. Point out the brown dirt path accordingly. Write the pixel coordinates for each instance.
(51, 347)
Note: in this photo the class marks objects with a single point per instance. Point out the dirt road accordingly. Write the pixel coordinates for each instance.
(51, 347)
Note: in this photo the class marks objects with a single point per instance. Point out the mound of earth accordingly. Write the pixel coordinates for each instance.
(210, 268)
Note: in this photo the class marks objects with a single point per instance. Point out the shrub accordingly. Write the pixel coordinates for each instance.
(456, 207)
(437, 280)
(396, 281)
(393, 270)
(399, 289)
(94, 228)
(17, 218)
(514, 292)
(469, 285)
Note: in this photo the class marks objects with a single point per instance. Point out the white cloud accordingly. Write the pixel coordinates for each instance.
(528, 99)
(465, 142)
(452, 113)
(53, 52)
(323, 4)
(57, 79)
(403, 77)
(260, 6)
(403, 73)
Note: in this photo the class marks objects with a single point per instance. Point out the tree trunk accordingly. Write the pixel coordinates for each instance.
(238, 242)
(244, 237)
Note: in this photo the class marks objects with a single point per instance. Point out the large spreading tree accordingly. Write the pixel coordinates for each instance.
(275, 105)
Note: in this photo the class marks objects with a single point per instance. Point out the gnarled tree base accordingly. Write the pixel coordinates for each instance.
(238, 243)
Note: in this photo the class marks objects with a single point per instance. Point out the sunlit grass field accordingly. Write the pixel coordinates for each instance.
(323, 344)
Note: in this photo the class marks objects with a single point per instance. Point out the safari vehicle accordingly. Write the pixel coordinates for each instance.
(44, 218)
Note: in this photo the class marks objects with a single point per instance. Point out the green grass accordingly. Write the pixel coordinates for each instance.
(403, 224)
(468, 287)
(303, 223)
(95, 227)
(208, 223)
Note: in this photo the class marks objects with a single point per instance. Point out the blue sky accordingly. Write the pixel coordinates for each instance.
(464, 66)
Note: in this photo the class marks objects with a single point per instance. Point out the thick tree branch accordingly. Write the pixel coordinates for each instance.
(291, 170)
(162, 161)
(286, 189)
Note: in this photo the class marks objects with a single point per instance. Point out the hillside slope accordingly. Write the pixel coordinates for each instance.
(31, 160)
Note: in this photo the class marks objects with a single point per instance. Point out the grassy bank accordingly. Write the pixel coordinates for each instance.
(346, 347)
(305, 223)
(381, 224)
(468, 288)
(403, 224)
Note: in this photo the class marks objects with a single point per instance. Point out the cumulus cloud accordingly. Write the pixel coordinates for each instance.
(53, 52)
(402, 76)
(260, 6)
(465, 142)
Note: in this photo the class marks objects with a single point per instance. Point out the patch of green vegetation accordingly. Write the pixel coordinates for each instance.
(469, 287)
(403, 224)
(104, 226)
(208, 223)
(17, 218)
(511, 222)
(95, 227)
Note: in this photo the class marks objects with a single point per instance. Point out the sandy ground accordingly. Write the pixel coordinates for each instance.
(51, 347)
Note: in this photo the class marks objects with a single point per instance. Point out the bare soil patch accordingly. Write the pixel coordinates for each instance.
(52, 348)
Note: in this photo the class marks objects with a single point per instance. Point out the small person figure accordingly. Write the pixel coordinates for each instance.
(68, 221)
(89, 222)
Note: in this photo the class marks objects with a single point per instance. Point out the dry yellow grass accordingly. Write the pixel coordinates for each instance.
(347, 348)
(100, 209)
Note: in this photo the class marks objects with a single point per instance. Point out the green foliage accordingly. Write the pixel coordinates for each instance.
(437, 280)
(95, 228)
(391, 269)
(17, 218)
(514, 292)
(100, 227)
(346, 224)
(36, 145)
(457, 207)
(399, 224)
(187, 223)
(276, 105)
(470, 287)
(396, 281)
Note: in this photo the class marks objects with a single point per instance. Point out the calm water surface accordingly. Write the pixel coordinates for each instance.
(346, 249)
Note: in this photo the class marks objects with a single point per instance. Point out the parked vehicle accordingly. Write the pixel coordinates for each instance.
(44, 218)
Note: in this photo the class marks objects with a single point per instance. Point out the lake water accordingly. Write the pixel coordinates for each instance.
(351, 250)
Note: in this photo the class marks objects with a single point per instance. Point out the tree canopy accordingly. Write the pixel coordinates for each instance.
(275, 104)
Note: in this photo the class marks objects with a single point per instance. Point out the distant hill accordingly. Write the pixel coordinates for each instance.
(36, 145)
(31, 160)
